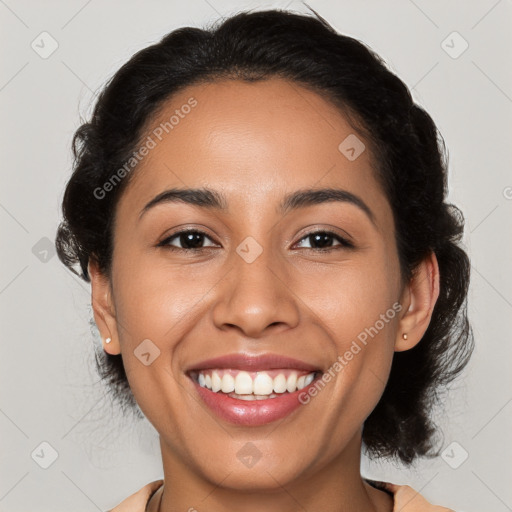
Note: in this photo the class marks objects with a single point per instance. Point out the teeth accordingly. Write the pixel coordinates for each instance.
(254, 386)
(249, 398)
(263, 384)
(280, 383)
(216, 382)
(243, 384)
(291, 382)
(228, 383)
(309, 379)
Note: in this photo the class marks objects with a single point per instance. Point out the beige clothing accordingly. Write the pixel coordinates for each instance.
(138, 501)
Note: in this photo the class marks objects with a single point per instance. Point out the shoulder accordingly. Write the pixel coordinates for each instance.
(137, 502)
(407, 499)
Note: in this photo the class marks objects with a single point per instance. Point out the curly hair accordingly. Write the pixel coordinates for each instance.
(410, 163)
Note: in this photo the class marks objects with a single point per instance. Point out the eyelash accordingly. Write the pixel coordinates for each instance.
(344, 244)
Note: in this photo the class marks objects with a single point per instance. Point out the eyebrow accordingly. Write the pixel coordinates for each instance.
(213, 200)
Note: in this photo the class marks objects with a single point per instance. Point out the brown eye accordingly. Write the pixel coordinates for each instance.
(323, 241)
(190, 240)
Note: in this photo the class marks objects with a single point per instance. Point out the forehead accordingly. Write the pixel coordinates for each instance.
(255, 142)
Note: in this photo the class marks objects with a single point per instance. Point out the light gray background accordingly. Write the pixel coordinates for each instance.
(48, 382)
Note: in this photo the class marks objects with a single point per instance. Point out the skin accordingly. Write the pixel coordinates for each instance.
(255, 143)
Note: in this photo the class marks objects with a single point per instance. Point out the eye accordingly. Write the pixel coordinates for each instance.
(193, 239)
(323, 241)
(190, 240)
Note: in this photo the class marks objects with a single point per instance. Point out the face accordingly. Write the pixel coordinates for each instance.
(251, 278)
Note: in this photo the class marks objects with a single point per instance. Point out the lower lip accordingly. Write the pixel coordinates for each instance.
(254, 412)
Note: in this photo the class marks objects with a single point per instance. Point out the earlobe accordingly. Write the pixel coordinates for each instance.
(103, 308)
(420, 297)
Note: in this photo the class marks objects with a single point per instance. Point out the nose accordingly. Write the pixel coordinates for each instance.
(255, 297)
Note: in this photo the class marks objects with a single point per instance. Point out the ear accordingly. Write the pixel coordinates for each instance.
(418, 299)
(103, 307)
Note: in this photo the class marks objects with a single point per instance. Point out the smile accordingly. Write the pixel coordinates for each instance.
(255, 408)
(253, 385)
(252, 390)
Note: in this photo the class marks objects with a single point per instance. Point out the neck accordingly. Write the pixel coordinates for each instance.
(336, 487)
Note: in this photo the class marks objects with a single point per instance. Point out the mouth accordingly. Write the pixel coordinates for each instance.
(254, 385)
(252, 390)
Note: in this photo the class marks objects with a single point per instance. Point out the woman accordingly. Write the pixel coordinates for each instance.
(276, 276)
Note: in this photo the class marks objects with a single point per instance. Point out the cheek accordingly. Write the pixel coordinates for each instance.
(362, 323)
(153, 298)
(352, 297)
(357, 307)
(152, 303)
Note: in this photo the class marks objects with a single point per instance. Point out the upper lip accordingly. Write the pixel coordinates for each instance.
(250, 362)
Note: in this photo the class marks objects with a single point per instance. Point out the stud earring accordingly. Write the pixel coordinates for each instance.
(108, 340)
(404, 336)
